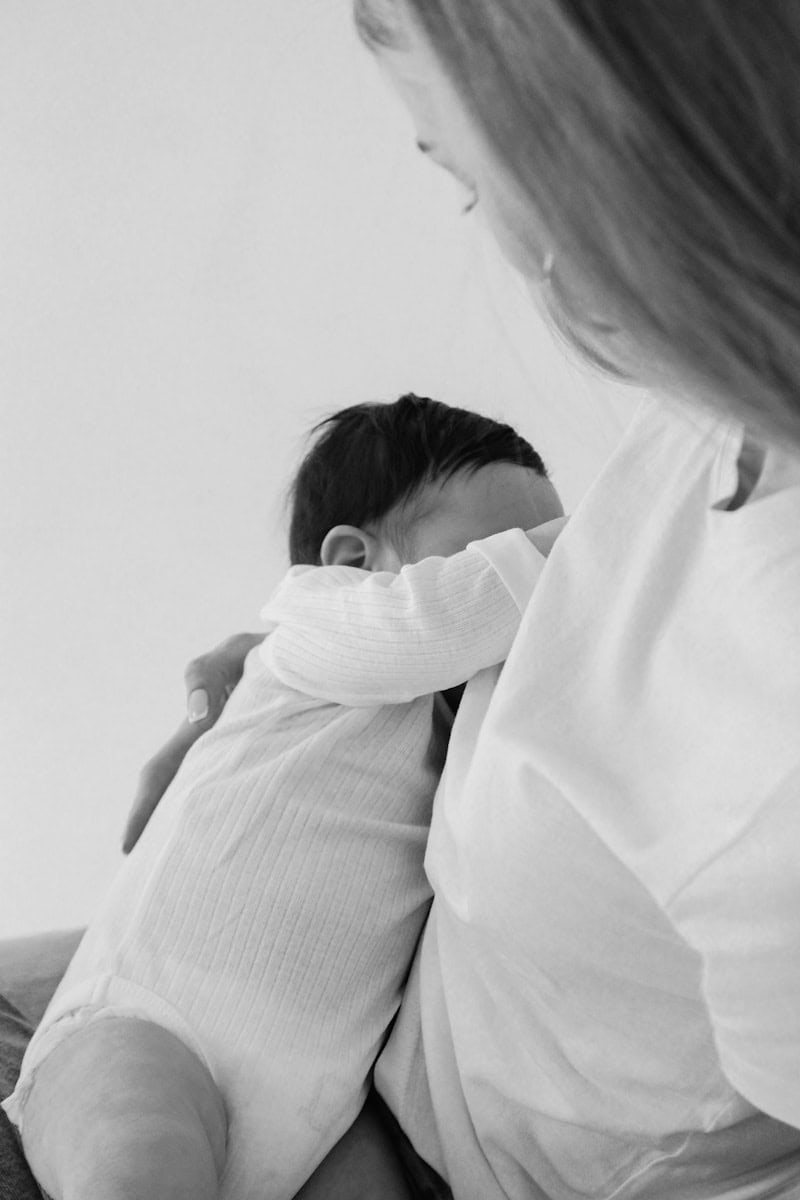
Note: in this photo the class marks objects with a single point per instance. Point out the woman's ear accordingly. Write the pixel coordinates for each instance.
(348, 546)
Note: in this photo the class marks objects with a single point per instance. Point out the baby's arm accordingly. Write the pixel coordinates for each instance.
(360, 638)
(123, 1110)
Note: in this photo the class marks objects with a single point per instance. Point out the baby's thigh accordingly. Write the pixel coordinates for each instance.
(122, 1106)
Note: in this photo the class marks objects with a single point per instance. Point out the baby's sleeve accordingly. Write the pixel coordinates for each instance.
(366, 638)
(741, 912)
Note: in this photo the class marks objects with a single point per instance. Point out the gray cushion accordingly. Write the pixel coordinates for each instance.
(31, 967)
(16, 1181)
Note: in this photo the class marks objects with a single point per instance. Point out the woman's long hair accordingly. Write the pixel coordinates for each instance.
(658, 143)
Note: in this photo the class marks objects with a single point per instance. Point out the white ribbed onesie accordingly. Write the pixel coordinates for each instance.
(270, 911)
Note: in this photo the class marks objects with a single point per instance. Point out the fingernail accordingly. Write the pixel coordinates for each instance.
(197, 705)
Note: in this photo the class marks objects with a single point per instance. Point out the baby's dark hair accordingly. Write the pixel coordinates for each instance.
(371, 457)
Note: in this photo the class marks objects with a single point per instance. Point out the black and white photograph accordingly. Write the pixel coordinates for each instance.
(400, 602)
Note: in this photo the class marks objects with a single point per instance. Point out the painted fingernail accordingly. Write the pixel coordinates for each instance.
(197, 705)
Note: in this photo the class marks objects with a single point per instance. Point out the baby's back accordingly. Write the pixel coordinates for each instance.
(270, 912)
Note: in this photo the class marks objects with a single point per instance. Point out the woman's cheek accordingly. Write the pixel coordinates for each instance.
(521, 240)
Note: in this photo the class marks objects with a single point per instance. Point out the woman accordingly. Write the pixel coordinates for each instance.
(606, 999)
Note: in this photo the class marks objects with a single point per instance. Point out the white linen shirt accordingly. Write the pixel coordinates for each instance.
(608, 986)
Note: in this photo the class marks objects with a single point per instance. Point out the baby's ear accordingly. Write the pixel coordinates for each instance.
(348, 546)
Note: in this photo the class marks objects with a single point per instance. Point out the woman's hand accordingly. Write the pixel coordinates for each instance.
(209, 679)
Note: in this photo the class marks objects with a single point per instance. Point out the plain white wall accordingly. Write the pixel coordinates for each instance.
(214, 229)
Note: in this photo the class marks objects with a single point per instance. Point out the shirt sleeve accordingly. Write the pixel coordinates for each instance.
(741, 912)
(366, 638)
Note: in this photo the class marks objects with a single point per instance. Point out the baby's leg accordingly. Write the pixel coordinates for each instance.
(122, 1108)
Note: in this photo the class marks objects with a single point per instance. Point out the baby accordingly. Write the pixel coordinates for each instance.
(215, 1033)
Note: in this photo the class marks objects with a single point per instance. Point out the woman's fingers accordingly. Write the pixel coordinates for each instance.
(155, 778)
(209, 680)
(211, 677)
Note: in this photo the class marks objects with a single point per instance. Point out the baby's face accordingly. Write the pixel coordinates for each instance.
(444, 517)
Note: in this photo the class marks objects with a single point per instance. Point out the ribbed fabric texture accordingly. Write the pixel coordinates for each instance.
(269, 914)
(268, 917)
(357, 638)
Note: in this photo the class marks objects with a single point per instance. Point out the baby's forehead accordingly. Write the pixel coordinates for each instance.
(479, 485)
(447, 513)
